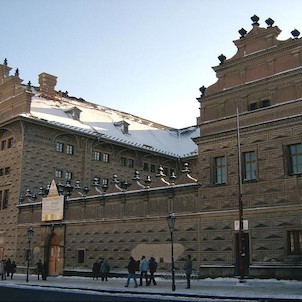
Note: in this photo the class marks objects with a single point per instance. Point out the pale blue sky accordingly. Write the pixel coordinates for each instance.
(136, 56)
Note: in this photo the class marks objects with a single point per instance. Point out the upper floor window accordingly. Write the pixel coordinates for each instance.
(249, 166)
(294, 242)
(10, 142)
(59, 147)
(259, 104)
(4, 195)
(220, 171)
(70, 149)
(58, 173)
(295, 159)
(3, 144)
(145, 166)
(68, 175)
(152, 168)
(97, 155)
(105, 157)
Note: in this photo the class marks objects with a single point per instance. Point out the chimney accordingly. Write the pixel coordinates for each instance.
(47, 85)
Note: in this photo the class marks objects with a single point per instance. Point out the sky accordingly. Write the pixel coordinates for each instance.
(144, 57)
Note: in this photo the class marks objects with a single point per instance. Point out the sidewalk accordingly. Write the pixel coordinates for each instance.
(252, 289)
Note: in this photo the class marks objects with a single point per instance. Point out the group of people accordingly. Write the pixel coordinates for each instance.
(143, 266)
(146, 269)
(7, 268)
(42, 269)
(101, 269)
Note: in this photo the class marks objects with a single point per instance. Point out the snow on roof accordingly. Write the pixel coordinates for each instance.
(103, 122)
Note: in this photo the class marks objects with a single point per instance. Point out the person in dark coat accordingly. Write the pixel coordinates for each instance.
(8, 268)
(13, 269)
(44, 270)
(188, 270)
(39, 265)
(152, 269)
(95, 270)
(132, 266)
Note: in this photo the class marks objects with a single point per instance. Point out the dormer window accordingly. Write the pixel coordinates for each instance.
(124, 126)
(74, 113)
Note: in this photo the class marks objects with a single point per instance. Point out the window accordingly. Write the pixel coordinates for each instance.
(68, 175)
(166, 171)
(130, 163)
(295, 159)
(1, 172)
(124, 161)
(220, 173)
(59, 147)
(146, 167)
(58, 173)
(81, 256)
(10, 143)
(105, 182)
(265, 103)
(153, 168)
(249, 166)
(260, 104)
(7, 171)
(70, 149)
(4, 199)
(96, 155)
(253, 106)
(105, 157)
(294, 242)
(3, 145)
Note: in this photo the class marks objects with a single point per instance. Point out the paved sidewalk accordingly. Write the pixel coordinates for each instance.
(252, 289)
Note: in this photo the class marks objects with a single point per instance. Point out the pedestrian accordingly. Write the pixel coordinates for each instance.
(95, 270)
(39, 266)
(2, 271)
(131, 271)
(105, 269)
(7, 266)
(13, 269)
(152, 269)
(188, 270)
(143, 267)
(44, 270)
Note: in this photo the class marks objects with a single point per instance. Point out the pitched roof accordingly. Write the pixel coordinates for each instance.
(104, 123)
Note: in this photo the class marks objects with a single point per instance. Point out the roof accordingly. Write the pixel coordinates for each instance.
(105, 123)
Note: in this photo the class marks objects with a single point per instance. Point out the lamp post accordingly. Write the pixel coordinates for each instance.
(171, 223)
(30, 234)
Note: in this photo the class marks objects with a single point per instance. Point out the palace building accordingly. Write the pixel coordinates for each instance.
(92, 182)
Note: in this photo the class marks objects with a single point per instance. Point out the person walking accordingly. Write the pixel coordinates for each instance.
(188, 270)
(131, 271)
(105, 269)
(13, 268)
(95, 270)
(152, 269)
(2, 271)
(39, 266)
(7, 267)
(143, 267)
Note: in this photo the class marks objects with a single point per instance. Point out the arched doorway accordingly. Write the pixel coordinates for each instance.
(56, 256)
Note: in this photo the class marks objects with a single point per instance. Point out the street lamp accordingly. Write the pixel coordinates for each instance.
(30, 234)
(171, 223)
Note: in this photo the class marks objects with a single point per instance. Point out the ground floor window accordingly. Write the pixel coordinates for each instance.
(294, 242)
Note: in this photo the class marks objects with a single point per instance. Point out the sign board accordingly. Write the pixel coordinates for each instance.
(53, 204)
(245, 225)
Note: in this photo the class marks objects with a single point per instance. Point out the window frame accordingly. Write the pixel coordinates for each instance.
(221, 177)
(249, 166)
(295, 164)
(294, 242)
